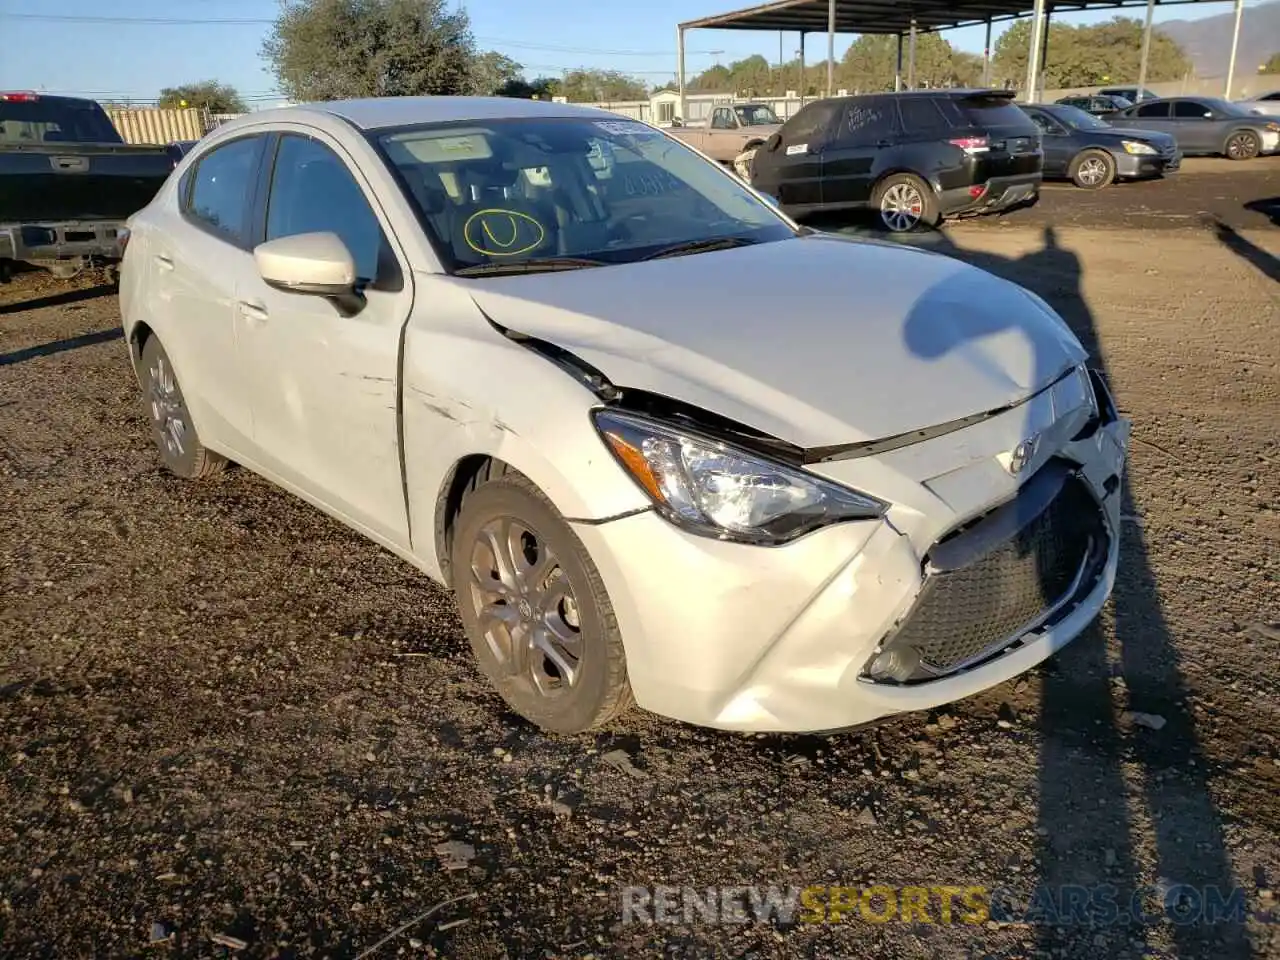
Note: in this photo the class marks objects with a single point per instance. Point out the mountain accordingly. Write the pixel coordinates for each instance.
(1208, 41)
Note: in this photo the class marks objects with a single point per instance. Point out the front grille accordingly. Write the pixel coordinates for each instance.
(976, 609)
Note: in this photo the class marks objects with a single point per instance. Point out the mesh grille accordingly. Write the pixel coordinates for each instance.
(960, 613)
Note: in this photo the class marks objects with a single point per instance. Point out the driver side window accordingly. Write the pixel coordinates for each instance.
(1190, 110)
(722, 119)
(1044, 123)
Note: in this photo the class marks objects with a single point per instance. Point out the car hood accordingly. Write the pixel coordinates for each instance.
(1137, 133)
(817, 340)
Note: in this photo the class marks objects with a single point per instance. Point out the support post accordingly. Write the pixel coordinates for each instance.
(911, 60)
(986, 56)
(1235, 46)
(1044, 49)
(1146, 46)
(803, 77)
(897, 70)
(831, 47)
(684, 106)
(1033, 53)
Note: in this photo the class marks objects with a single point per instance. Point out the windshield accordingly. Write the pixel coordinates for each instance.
(502, 193)
(1224, 107)
(755, 115)
(1079, 119)
(44, 120)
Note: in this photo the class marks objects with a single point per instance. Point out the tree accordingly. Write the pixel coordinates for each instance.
(1088, 56)
(492, 72)
(1272, 65)
(871, 61)
(205, 95)
(539, 88)
(333, 49)
(591, 86)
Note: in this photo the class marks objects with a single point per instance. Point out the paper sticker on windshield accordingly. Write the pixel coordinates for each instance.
(626, 128)
(797, 148)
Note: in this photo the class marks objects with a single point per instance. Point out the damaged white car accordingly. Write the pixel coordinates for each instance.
(664, 446)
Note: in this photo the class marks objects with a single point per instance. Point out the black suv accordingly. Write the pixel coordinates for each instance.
(914, 157)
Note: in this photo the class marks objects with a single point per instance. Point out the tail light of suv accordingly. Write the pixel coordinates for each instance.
(971, 144)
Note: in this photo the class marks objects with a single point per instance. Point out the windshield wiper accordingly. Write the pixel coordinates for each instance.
(535, 265)
(702, 246)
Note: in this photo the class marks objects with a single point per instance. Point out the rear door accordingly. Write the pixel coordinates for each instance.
(865, 128)
(792, 170)
(1013, 140)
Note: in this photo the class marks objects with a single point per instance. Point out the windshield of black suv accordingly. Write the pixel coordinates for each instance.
(755, 115)
(511, 195)
(1079, 119)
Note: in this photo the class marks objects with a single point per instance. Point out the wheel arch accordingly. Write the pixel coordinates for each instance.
(464, 475)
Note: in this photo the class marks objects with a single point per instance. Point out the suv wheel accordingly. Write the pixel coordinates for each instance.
(1093, 169)
(1243, 145)
(906, 203)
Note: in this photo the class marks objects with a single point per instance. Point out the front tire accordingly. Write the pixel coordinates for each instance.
(1242, 145)
(1093, 170)
(171, 427)
(905, 203)
(535, 609)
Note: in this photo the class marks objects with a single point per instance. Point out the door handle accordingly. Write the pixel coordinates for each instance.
(164, 261)
(252, 310)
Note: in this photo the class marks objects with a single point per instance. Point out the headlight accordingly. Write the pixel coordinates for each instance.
(1138, 149)
(1273, 127)
(716, 490)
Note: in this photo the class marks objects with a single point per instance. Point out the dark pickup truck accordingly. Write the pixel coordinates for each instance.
(68, 183)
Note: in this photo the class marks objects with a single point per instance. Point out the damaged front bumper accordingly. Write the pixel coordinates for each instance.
(980, 570)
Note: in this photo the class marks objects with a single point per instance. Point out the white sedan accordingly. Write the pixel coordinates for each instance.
(664, 446)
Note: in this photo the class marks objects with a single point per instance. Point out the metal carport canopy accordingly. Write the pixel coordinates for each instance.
(909, 17)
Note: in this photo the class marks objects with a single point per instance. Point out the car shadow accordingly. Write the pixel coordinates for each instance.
(58, 346)
(1090, 887)
(1269, 207)
(57, 299)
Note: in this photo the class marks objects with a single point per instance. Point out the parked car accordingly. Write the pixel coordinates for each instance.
(731, 130)
(1267, 104)
(68, 182)
(1204, 126)
(913, 157)
(1096, 104)
(1090, 153)
(1132, 94)
(644, 475)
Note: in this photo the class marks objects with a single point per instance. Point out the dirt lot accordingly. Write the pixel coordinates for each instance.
(221, 714)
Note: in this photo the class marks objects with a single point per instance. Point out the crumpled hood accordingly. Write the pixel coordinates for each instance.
(817, 340)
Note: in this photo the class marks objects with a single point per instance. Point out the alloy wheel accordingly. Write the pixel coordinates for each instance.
(901, 207)
(1092, 171)
(525, 606)
(167, 409)
(1241, 147)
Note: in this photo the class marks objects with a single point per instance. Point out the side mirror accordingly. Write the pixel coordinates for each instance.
(772, 143)
(318, 264)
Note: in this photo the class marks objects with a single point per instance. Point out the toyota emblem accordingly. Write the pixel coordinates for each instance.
(1023, 454)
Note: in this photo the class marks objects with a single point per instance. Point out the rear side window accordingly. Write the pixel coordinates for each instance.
(810, 124)
(220, 187)
(867, 121)
(921, 116)
(993, 112)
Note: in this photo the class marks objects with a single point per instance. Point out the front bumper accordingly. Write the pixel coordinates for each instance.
(1138, 167)
(1270, 142)
(751, 638)
(999, 193)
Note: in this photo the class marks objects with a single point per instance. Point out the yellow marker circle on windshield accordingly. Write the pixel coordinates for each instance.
(502, 233)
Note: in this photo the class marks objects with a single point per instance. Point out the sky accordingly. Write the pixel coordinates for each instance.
(96, 54)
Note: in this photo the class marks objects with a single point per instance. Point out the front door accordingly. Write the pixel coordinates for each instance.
(1055, 140)
(325, 385)
(790, 167)
(1195, 127)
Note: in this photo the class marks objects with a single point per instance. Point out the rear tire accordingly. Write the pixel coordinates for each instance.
(1242, 145)
(535, 609)
(171, 426)
(904, 203)
(1093, 169)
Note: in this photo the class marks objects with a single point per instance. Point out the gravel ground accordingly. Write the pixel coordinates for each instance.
(229, 725)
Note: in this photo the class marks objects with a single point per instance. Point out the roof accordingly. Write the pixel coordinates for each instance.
(382, 112)
(889, 16)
